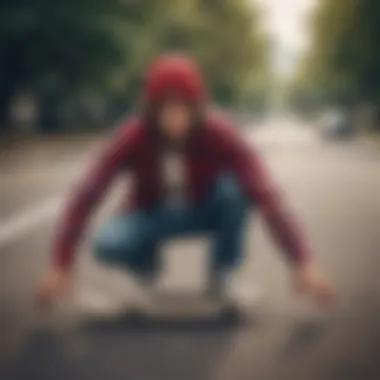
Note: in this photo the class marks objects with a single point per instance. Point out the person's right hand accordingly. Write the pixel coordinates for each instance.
(54, 285)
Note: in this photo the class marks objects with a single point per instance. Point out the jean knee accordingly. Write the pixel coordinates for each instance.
(229, 192)
(104, 249)
(110, 245)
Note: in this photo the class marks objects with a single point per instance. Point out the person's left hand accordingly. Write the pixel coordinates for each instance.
(310, 281)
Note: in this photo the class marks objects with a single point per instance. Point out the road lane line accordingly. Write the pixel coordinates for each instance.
(31, 218)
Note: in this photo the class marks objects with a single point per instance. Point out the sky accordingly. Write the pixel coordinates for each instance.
(286, 22)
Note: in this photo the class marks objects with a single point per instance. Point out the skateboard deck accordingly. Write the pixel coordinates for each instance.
(172, 311)
(183, 307)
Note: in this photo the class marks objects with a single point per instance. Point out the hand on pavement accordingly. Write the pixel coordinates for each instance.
(54, 285)
(310, 281)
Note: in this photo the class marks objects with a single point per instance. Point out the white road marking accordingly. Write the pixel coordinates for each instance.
(17, 225)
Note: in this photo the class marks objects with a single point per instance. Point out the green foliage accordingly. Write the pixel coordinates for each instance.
(59, 48)
(344, 62)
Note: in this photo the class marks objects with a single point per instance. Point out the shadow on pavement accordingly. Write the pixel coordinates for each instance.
(301, 337)
(129, 348)
(135, 322)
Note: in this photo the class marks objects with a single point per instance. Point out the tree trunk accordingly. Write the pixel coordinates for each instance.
(49, 115)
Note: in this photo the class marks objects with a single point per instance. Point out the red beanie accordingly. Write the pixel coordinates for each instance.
(174, 75)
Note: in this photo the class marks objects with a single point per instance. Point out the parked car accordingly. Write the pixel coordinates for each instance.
(336, 125)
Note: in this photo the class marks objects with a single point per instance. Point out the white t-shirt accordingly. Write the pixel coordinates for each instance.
(174, 179)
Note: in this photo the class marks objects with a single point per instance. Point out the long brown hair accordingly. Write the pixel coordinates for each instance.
(149, 115)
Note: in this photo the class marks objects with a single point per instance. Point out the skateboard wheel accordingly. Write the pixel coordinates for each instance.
(135, 316)
(229, 313)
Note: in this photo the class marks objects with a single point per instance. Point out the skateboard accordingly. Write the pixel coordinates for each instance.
(182, 307)
(193, 312)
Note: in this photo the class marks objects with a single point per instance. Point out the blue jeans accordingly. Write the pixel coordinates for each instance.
(133, 239)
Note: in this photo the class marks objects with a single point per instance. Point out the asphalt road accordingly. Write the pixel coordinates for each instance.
(333, 187)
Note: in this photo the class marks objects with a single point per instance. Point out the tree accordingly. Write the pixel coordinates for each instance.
(69, 48)
(343, 63)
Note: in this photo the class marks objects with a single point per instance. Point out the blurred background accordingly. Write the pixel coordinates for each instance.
(302, 80)
(77, 65)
